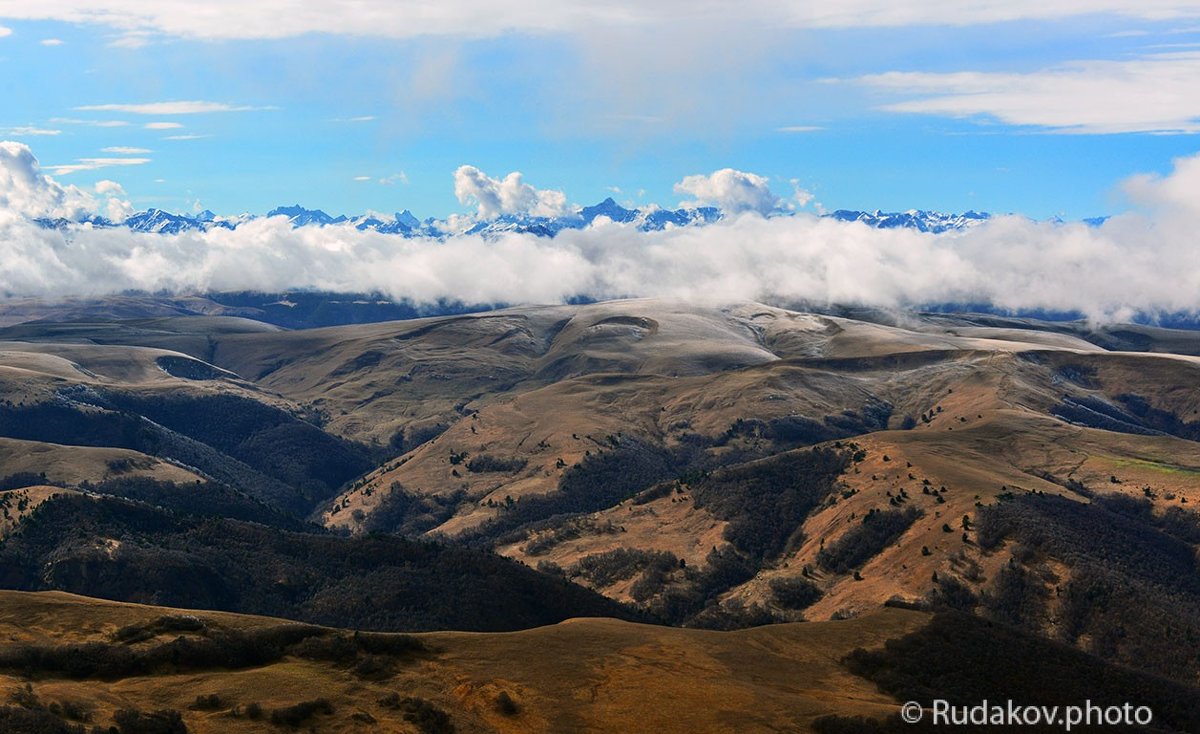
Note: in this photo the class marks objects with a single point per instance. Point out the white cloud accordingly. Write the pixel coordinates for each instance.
(166, 108)
(90, 123)
(26, 192)
(509, 195)
(131, 40)
(225, 19)
(107, 187)
(801, 196)
(92, 164)
(186, 137)
(32, 131)
(395, 178)
(124, 150)
(163, 125)
(731, 190)
(5, 31)
(799, 129)
(51, 42)
(115, 208)
(1158, 93)
(362, 178)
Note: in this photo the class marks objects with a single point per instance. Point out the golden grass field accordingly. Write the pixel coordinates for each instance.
(584, 675)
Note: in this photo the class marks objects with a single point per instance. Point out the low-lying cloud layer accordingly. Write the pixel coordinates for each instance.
(1143, 261)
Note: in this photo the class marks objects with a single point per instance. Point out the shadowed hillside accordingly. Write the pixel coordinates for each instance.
(111, 548)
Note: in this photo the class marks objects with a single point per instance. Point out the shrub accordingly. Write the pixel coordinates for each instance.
(856, 546)
(795, 593)
(297, 714)
(766, 502)
(488, 463)
(209, 702)
(506, 705)
(609, 567)
(428, 718)
(132, 721)
(16, 720)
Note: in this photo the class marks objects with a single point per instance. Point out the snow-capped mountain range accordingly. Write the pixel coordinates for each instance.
(406, 224)
(935, 222)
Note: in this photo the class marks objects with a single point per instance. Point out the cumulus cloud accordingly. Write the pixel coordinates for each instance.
(109, 187)
(1141, 261)
(731, 190)
(25, 192)
(115, 207)
(508, 195)
(1156, 93)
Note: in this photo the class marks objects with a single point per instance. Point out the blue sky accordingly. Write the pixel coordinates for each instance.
(1039, 110)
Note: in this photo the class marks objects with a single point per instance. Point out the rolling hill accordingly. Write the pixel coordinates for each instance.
(72, 661)
(721, 467)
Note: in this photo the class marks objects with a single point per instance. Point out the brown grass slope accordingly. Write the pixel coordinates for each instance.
(586, 675)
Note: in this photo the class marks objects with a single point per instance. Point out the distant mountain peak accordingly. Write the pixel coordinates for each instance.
(918, 219)
(406, 218)
(608, 208)
(646, 218)
(299, 216)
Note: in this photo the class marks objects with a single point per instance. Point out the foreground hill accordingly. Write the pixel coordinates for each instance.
(69, 661)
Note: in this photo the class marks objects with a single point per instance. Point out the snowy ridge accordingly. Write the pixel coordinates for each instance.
(404, 223)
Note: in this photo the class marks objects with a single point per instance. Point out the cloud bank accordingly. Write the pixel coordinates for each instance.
(235, 19)
(1143, 261)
